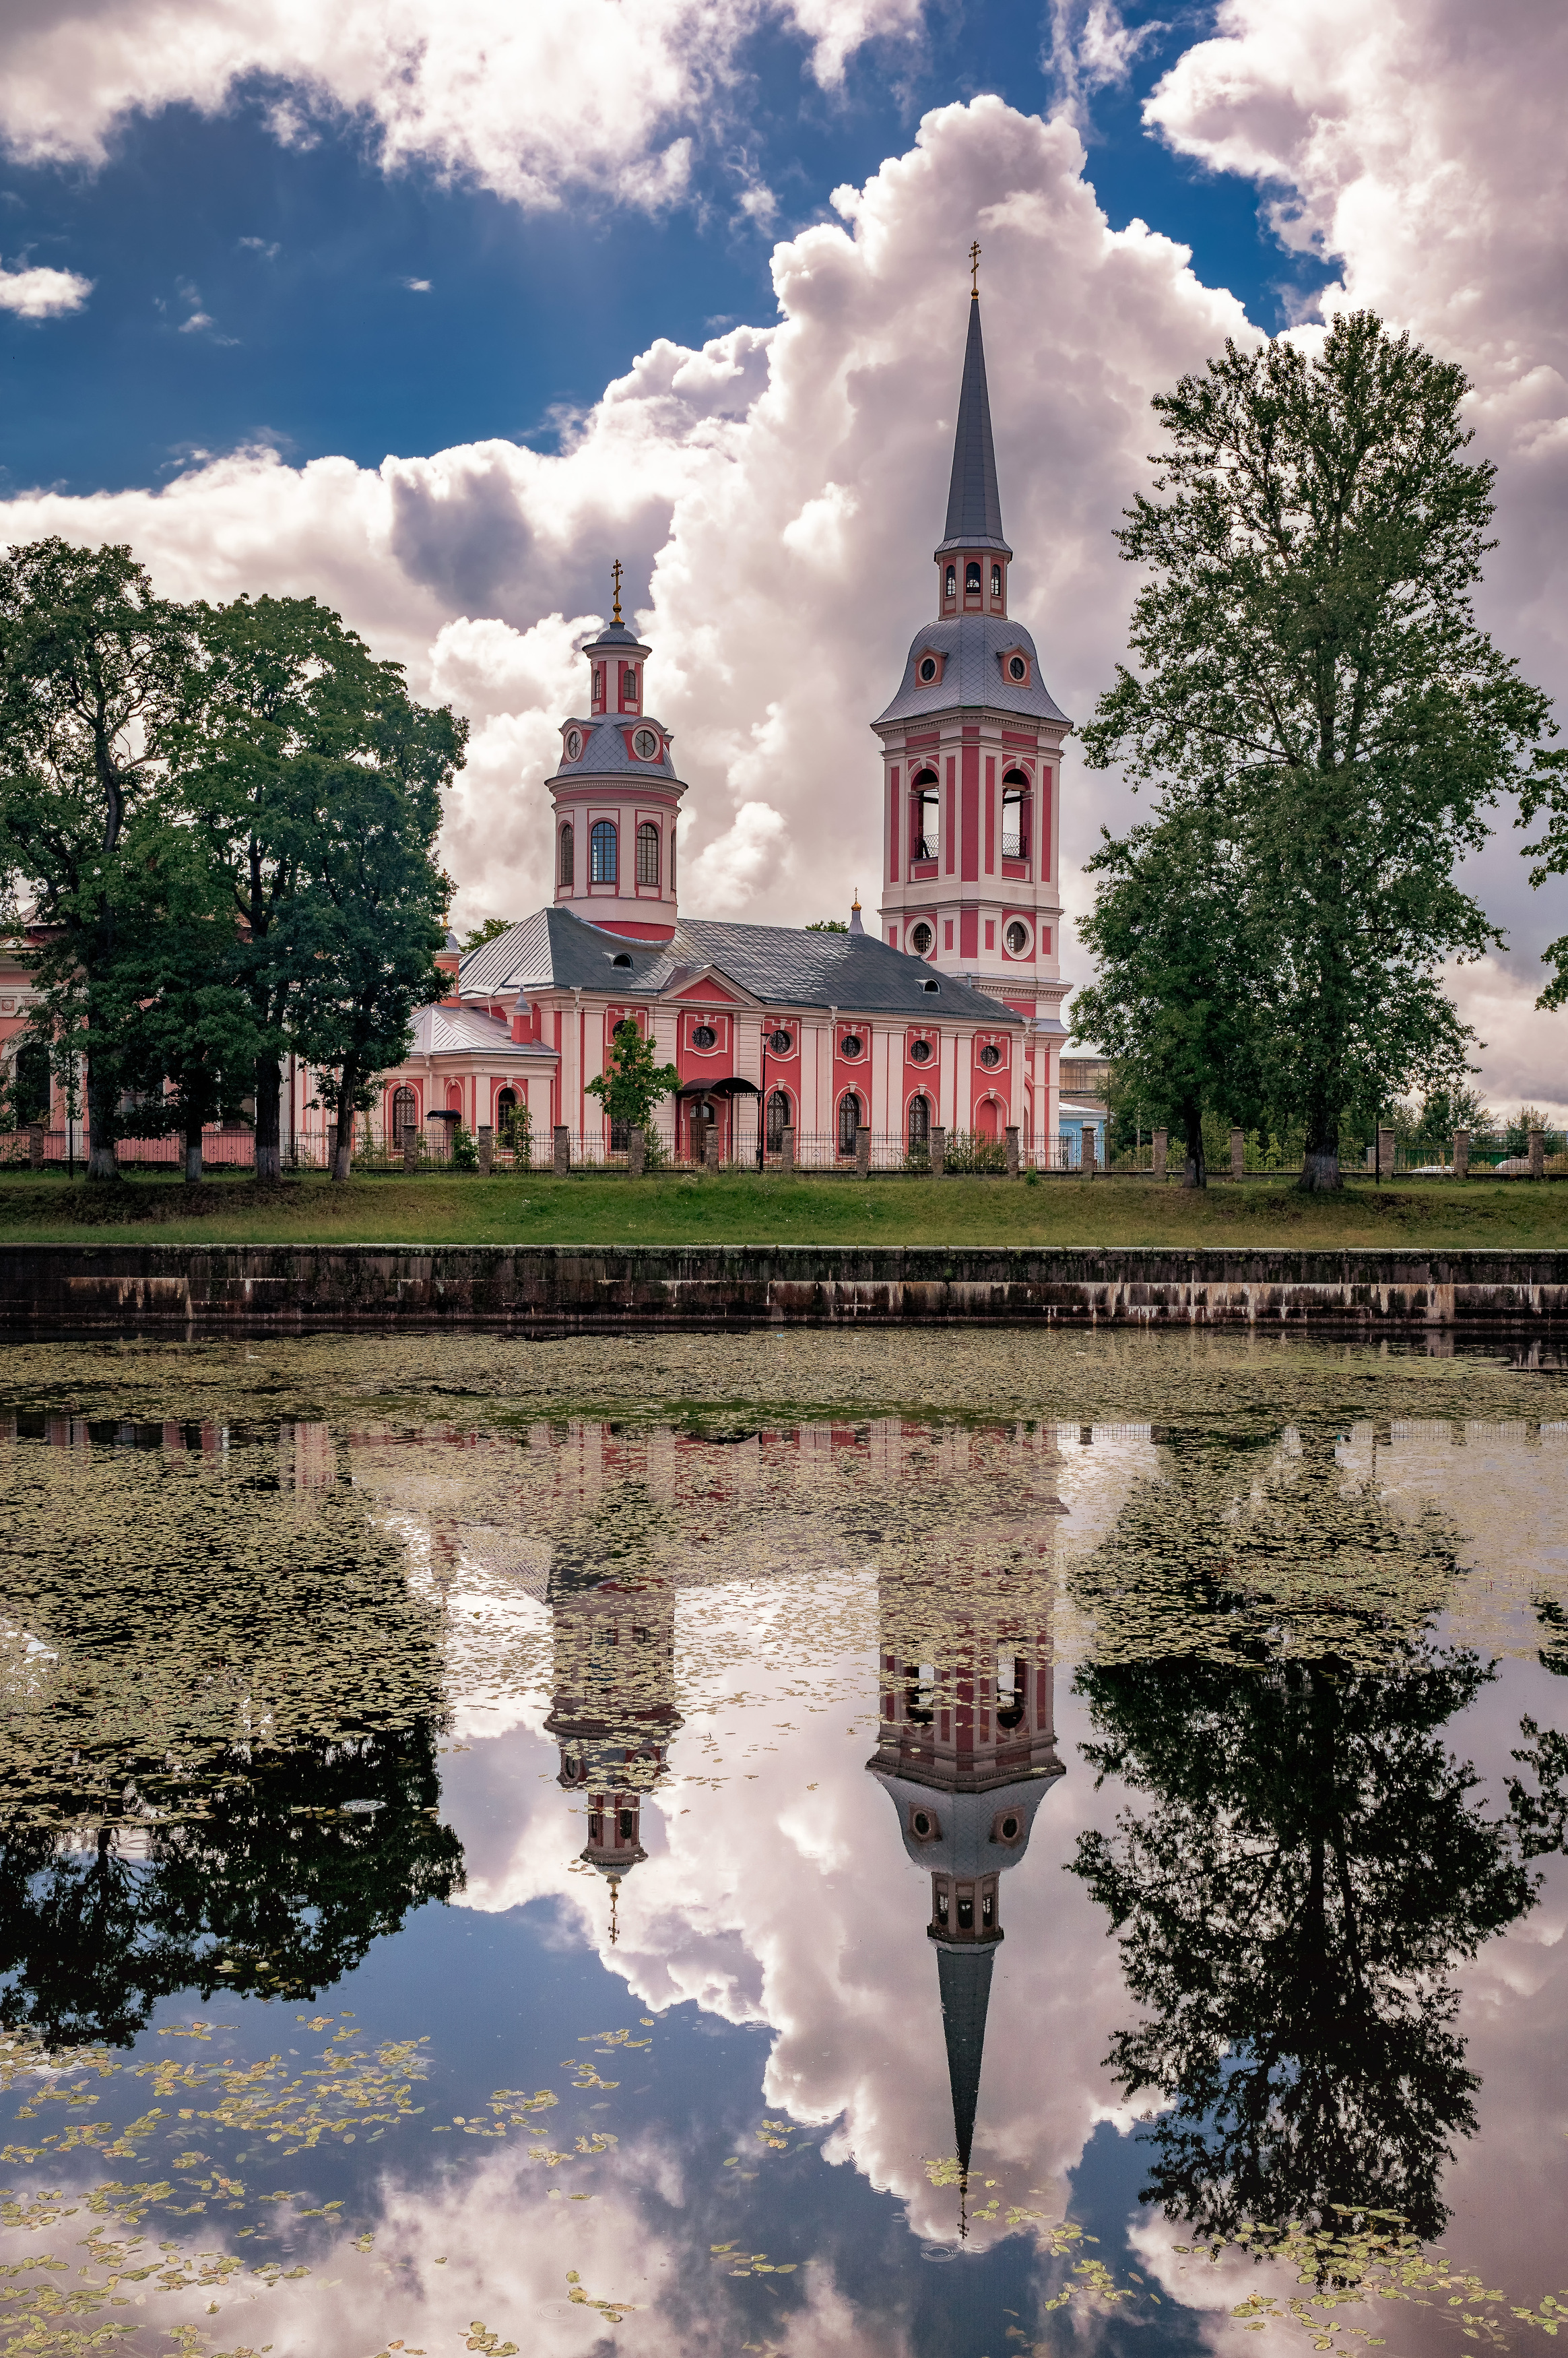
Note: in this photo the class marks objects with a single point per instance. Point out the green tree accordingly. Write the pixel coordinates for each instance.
(364, 926)
(632, 1084)
(94, 671)
(287, 703)
(1310, 661)
(1180, 1001)
(488, 929)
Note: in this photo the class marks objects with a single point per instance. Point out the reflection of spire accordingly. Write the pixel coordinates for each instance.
(963, 1976)
(614, 1896)
(966, 1752)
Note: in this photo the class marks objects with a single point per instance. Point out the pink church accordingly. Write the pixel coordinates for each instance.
(950, 1019)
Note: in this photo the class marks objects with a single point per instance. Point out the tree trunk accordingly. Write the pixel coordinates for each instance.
(1320, 1162)
(193, 1152)
(344, 1149)
(269, 1121)
(1194, 1171)
(101, 1096)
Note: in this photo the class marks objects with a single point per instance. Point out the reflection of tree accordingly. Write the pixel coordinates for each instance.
(273, 1885)
(219, 1706)
(1313, 1862)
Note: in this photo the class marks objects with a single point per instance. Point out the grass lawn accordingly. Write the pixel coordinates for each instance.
(740, 1208)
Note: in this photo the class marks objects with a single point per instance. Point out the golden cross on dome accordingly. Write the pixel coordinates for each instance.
(975, 267)
(615, 577)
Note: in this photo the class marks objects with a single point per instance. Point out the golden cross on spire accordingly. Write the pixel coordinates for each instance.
(615, 577)
(975, 268)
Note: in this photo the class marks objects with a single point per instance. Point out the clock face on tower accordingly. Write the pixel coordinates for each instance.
(646, 745)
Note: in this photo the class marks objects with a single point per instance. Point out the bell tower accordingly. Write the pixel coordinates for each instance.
(616, 796)
(971, 768)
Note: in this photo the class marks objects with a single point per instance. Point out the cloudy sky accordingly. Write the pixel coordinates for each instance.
(432, 308)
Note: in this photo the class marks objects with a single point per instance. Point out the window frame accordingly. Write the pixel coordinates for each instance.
(648, 835)
(601, 836)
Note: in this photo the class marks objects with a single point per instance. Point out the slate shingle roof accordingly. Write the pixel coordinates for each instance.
(605, 753)
(553, 949)
(974, 645)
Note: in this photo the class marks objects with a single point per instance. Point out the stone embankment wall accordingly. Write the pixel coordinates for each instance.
(153, 1288)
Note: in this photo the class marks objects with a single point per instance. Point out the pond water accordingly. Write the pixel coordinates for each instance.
(811, 1844)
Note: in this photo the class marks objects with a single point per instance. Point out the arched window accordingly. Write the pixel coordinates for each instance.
(1015, 815)
(603, 867)
(849, 1121)
(971, 579)
(405, 1111)
(950, 582)
(925, 803)
(505, 1107)
(648, 853)
(672, 856)
(996, 582)
(568, 861)
(778, 1121)
(919, 1125)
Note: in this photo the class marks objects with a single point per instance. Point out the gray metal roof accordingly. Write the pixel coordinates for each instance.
(973, 675)
(785, 967)
(464, 1032)
(605, 753)
(974, 503)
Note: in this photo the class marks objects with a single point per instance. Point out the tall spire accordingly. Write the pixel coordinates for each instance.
(974, 503)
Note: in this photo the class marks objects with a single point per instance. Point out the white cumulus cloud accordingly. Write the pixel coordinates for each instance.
(40, 294)
(527, 100)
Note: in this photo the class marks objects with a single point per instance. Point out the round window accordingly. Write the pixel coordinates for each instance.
(921, 939)
(780, 1042)
(927, 670)
(920, 1052)
(920, 1824)
(703, 1035)
(850, 1045)
(991, 1055)
(1010, 1829)
(573, 743)
(1017, 939)
(1017, 668)
(646, 745)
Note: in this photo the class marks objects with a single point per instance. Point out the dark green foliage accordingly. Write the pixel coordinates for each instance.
(1311, 669)
(632, 1084)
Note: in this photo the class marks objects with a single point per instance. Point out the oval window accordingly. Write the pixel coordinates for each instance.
(920, 1052)
(1017, 668)
(927, 670)
(1010, 1829)
(1017, 939)
(852, 1045)
(573, 743)
(921, 1824)
(646, 745)
(703, 1035)
(921, 939)
(780, 1042)
(991, 1055)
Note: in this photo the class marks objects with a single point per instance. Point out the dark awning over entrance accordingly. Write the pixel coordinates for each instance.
(730, 1088)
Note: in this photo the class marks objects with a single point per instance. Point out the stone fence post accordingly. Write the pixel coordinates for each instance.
(1537, 1154)
(332, 1146)
(710, 1148)
(787, 1150)
(486, 1148)
(1461, 1154)
(1239, 1155)
(938, 1149)
(636, 1152)
(1385, 1152)
(1086, 1157)
(1010, 1136)
(35, 1146)
(1161, 1148)
(561, 1150)
(410, 1147)
(863, 1151)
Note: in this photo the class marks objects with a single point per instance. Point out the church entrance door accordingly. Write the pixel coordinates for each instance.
(702, 1118)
